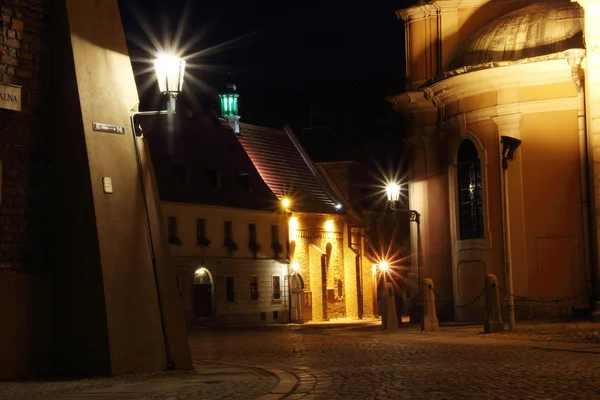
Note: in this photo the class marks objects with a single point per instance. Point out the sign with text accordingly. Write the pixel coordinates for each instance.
(10, 97)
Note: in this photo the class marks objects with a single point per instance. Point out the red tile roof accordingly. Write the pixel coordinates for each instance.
(287, 169)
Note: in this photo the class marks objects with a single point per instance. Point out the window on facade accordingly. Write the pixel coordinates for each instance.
(470, 196)
(253, 288)
(274, 234)
(180, 173)
(229, 293)
(201, 230)
(172, 227)
(228, 231)
(276, 288)
(245, 180)
(213, 176)
(252, 233)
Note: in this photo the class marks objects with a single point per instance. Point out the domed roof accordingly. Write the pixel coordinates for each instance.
(539, 29)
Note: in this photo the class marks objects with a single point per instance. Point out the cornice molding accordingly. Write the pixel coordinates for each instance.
(477, 82)
(519, 108)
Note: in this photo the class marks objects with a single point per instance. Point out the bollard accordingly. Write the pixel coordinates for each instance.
(429, 321)
(493, 319)
(392, 319)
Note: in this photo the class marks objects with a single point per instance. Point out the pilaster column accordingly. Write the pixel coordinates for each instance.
(510, 125)
(592, 109)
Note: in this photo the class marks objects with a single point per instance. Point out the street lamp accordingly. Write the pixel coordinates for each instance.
(170, 72)
(509, 149)
(393, 195)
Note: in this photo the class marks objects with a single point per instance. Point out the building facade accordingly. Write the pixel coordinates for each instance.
(326, 242)
(227, 232)
(479, 71)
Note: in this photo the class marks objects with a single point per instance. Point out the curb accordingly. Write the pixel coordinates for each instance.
(287, 382)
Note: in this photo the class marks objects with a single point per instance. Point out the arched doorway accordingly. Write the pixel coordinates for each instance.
(203, 293)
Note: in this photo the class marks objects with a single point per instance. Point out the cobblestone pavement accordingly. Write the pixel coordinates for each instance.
(361, 362)
(210, 381)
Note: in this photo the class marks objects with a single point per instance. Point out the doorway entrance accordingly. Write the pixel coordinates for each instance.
(202, 292)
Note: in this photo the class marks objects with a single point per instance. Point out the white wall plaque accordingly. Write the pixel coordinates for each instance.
(107, 185)
(10, 97)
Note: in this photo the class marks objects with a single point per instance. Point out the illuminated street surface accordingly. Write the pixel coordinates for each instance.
(361, 362)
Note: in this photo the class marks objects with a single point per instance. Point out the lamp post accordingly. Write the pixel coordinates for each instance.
(509, 149)
(170, 73)
(393, 195)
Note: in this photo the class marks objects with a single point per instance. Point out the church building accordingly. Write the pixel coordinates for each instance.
(503, 98)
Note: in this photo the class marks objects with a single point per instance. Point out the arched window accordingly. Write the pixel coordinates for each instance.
(470, 197)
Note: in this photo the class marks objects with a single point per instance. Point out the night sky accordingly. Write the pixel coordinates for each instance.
(268, 44)
(304, 63)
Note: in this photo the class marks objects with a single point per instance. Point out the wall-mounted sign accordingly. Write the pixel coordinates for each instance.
(108, 128)
(10, 97)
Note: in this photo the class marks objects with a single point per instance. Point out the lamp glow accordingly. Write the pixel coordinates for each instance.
(393, 192)
(200, 271)
(285, 202)
(170, 71)
(329, 225)
(295, 266)
(384, 266)
(294, 223)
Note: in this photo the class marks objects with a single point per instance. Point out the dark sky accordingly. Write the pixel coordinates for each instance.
(267, 44)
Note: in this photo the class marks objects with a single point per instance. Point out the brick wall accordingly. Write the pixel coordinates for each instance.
(22, 136)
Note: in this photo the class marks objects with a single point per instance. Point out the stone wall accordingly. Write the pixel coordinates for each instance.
(22, 138)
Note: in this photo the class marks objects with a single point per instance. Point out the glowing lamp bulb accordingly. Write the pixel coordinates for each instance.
(285, 202)
(200, 271)
(294, 223)
(393, 192)
(384, 266)
(329, 225)
(295, 266)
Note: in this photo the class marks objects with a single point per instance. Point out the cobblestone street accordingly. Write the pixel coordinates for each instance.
(360, 362)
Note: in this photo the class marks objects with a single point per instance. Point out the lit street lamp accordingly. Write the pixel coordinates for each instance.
(393, 195)
(170, 73)
(509, 149)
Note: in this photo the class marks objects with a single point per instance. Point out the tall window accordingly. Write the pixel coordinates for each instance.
(251, 233)
(229, 293)
(253, 288)
(274, 234)
(276, 288)
(172, 230)
(470, 196)
(227, 231)
(200, 230)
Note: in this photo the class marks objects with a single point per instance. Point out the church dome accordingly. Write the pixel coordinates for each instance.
(539, 29)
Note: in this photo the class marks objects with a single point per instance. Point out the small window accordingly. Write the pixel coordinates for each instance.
(251, 233)
(263, 316)
(228, 231)
(172, 230)
(340, 288)
(470, 194)
(229, 293)
(213, 176)
(275, 315)
(253, 288)
(201, 229)
(245, 180)
(274, 234)
(180, 173)
(276, 288)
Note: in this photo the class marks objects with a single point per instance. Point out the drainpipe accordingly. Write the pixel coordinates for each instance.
(574, 58)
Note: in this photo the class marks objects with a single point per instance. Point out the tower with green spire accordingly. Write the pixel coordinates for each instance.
(229, 105)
